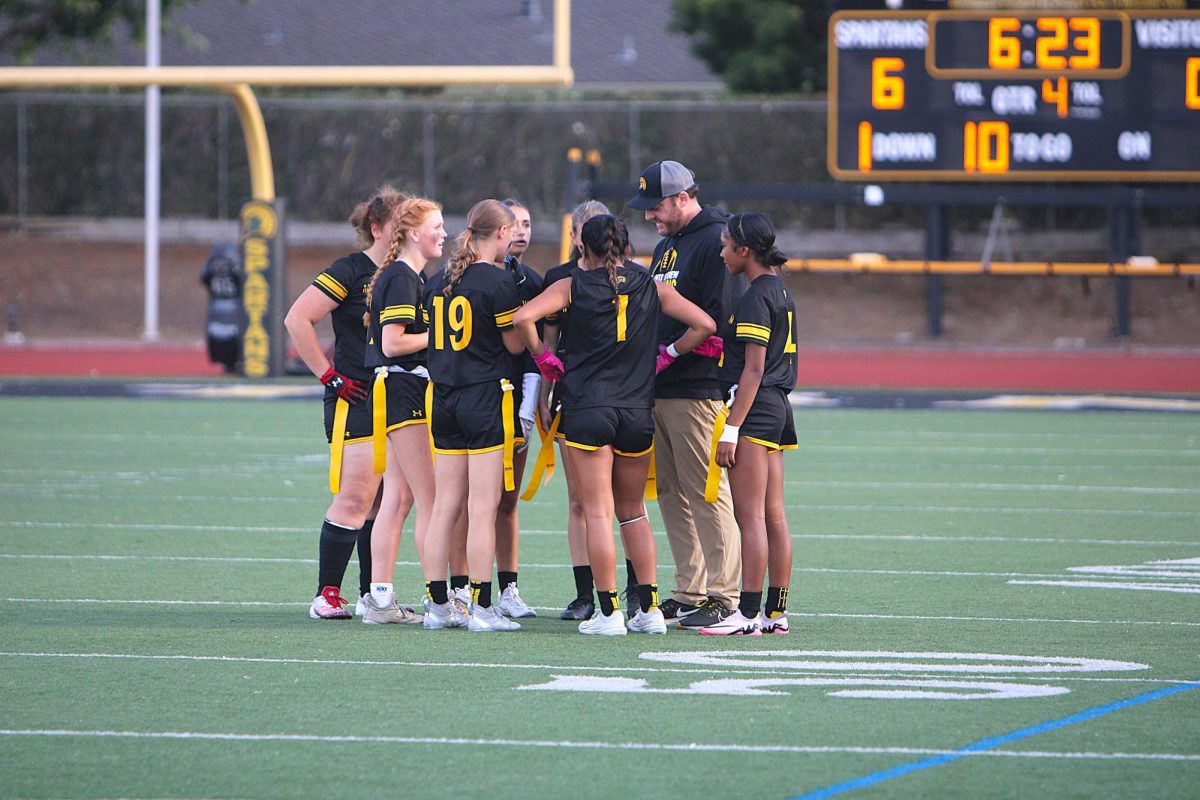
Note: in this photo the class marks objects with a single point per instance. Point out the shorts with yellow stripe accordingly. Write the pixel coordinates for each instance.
(405, 399)
(359, 423)
(629, 431)
(469, 419)
(770, 421)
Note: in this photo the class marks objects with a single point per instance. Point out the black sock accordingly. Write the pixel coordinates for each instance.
(648, 595)
(505, 578)
(436, 591)
(776, 600)
(750, 603)
(364, 557)
(630, 574)
(481, 593)
(583, 582)
(337, 545)
(608, 602)
(459, 581)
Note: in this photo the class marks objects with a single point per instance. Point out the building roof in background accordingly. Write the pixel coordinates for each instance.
(614, 43)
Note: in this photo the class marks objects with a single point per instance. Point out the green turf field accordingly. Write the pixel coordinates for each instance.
(975, 594)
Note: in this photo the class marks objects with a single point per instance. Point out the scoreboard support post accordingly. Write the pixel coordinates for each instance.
(1124, 240)
(937, 248)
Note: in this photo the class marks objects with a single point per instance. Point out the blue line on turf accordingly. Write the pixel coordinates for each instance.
(993, 742)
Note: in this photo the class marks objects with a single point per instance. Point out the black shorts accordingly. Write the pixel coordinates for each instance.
(469, 419)
(770, 421)
(405, 399)
(359, 422)
(630, 431)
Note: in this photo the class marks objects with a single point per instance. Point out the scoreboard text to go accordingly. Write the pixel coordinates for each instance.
(1015, 95)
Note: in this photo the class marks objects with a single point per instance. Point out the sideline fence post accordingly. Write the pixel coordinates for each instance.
(937, 248)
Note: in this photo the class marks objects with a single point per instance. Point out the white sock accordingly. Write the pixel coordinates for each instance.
(383, 594)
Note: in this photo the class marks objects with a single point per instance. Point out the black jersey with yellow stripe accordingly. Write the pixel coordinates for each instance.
(611, 341)
(529, 285)
(465, 343)
(345, 282)
(765, 315)
(395, 300)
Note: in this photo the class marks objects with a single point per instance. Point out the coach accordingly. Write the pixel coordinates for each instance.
(703, 536)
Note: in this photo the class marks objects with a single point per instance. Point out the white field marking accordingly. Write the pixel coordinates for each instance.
(869, 688)
(686, 747)
(1134, 587)
(927, 509)
(1022, 487)
(1010, 451)
(1174, 568)
(796, 614)
(639, 669)
(895, 661)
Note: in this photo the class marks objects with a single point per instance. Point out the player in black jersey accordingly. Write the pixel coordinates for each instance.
(396, 342)
(583, 606)
(757, 373)
(470, 306)
(526, 380)
(339, 292)
(609, 376)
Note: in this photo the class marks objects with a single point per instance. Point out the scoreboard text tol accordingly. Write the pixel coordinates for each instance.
(1023, 91)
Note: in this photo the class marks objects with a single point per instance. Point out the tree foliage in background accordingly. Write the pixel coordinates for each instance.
(28, 25)
(770, 46)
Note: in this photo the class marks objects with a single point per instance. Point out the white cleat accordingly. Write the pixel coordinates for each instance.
(776, 625)
(460, 598)
(487, 620)
(600, 625)
(374, 614)
(647, 622)
(734, 625)
(442, 615)
(511, 604)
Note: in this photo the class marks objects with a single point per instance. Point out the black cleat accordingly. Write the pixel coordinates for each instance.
(710, 613)
(673, 610)
(581, 608)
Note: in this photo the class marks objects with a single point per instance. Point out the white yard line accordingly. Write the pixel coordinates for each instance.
(1012, 487)
(558, 744)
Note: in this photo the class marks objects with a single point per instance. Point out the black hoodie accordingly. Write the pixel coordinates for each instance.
(691, 262)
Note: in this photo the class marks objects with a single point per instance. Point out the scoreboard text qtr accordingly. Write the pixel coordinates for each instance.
(1015, 95)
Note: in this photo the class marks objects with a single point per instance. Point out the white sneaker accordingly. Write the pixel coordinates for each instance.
(486, 620)
(734, 625)
(777, 625)
(651, 621)
(511, 604)
(360, 608)
(600, 625)
(375, 614)
(442, 615)
(460, 598)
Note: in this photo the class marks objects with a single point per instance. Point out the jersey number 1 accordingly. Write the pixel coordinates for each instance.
(622, 302)
(790, 347)
(459, 320)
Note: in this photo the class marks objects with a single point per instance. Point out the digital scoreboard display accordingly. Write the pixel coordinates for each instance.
(1024, 91)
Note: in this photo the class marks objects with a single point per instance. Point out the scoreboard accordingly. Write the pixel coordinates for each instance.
(1026, 90)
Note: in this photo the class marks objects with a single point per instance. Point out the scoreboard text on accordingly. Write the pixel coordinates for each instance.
(1015, 94)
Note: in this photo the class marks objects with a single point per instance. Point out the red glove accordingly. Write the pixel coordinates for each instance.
(549, 365)
(712, 347)
(664, 359)
(348, 389)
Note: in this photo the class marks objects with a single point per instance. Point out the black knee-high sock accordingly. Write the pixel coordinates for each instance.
(583, 582)
(364, 557)
(337, 545)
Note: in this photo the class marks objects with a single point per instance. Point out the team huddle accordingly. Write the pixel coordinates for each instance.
(439, 388)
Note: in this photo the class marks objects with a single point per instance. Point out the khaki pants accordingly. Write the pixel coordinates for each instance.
(704, 537)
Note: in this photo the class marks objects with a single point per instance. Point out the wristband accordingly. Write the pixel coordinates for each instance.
(730, 434)
(671, 351)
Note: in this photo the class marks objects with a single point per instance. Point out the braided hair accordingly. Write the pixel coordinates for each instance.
(756, 232)
(485, 218)
(606, 238)
(408, 216)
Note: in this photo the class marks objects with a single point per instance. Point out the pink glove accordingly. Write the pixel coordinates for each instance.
(712, 347)
(549, 365)
(664, 359)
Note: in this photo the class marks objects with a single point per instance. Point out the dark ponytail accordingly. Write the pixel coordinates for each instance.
(756, 232)
(606, 238)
